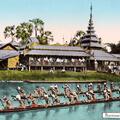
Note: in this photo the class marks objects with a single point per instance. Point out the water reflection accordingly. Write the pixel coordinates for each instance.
(56, 110)
(107, 106)
(71, 109)
(76, 108)
(47, 113)
(20, 115)
(91, 107)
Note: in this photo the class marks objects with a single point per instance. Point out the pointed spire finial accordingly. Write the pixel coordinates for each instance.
(91, 11)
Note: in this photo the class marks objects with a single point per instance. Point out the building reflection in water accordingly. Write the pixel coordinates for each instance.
(71, 109)
(107, 105)
(46, 114)
(91, 107)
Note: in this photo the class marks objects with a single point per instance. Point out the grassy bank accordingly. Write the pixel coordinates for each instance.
(56, 76)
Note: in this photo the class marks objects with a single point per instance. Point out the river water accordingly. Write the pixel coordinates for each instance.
(81, 112)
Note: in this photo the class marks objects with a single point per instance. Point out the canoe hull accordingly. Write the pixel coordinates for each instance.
(27, 108)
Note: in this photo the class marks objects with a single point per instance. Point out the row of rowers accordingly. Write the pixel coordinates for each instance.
(53, 94)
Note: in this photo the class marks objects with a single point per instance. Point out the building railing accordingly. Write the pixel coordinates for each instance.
(57, 64)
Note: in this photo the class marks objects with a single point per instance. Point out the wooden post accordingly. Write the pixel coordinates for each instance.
(53, 68)
(74, 69)
(29, 68)
(41, 68)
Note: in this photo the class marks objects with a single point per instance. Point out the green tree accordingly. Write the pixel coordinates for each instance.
(115, 48)
(24, 31)
(9, 31)
(38, 25)
(45, 37)
(76, 40)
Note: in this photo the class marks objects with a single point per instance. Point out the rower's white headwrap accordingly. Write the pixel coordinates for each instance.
(18, 97)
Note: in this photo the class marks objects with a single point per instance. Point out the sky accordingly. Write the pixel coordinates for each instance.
(64, 17)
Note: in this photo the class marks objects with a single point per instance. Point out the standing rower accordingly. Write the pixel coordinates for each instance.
(79, 89)
(112, 87)
(99, 87)
(21, 92)
(105, 93)
(105, 85)
(56, 89)
(109, 91)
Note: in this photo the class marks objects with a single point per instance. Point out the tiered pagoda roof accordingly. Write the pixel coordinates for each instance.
(90, 39)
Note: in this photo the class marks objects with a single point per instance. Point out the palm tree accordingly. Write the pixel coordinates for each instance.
(25, 30)
(38, 25)
(9, 31)
(43, 36)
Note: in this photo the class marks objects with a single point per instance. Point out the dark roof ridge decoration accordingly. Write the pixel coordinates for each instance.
(90, 39)
(6, 44)
(57, 48)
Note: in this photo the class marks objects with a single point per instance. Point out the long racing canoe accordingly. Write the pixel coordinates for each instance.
(39, 107)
